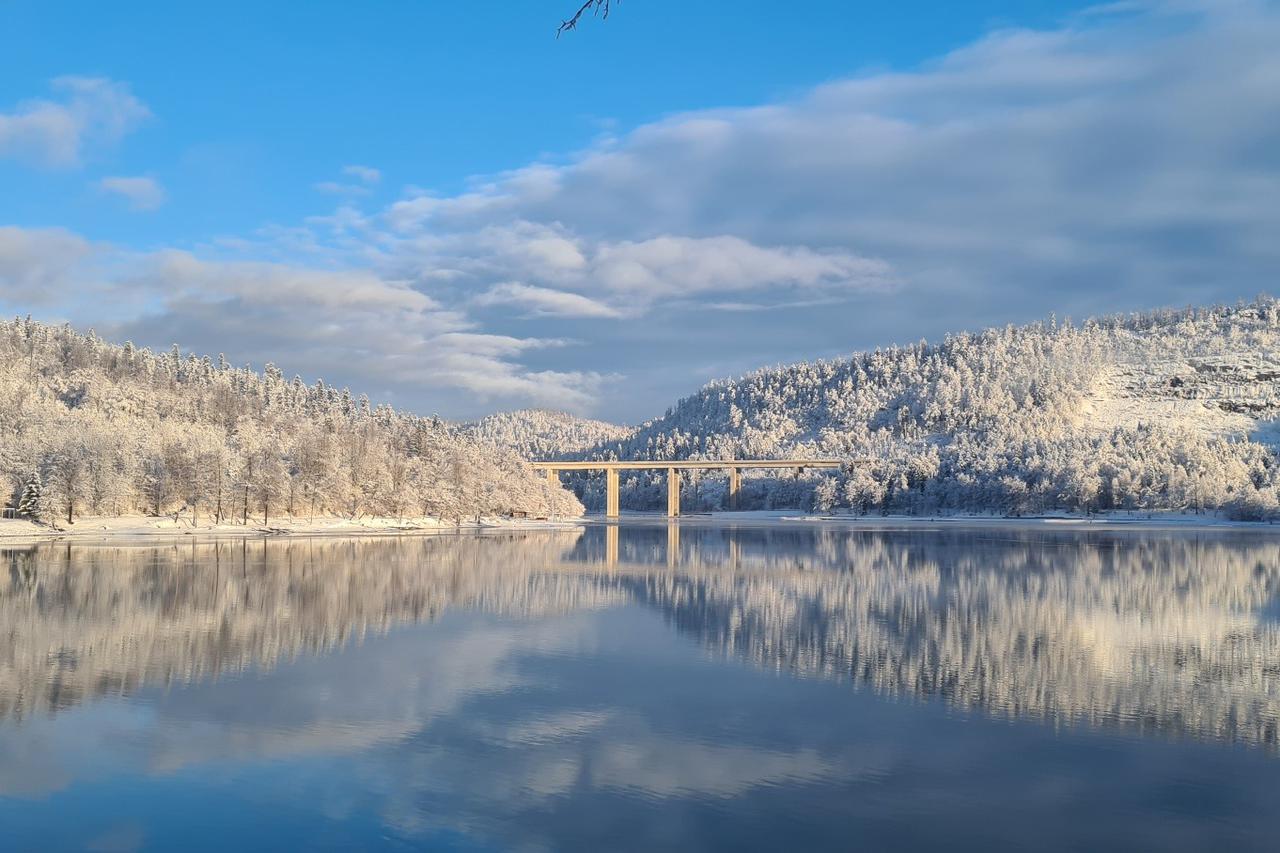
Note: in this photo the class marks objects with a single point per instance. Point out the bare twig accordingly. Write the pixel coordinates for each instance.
(598, 7)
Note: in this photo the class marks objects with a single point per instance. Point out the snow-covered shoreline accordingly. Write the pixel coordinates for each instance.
(127, 527)
(1112, 522)
(1117, 521)
(153, 528)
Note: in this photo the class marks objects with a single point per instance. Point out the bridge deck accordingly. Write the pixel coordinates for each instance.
(673, 469)
(701, 464)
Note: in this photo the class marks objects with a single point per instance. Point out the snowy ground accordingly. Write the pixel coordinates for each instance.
(1218, 397)
(131, 526)
(152, 527)
(1150, 521)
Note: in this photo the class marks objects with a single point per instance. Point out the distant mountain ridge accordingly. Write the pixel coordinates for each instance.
(544, 433)
(1173, 409)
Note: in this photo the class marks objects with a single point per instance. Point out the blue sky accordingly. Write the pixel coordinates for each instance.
(447, 207)
(255, 103)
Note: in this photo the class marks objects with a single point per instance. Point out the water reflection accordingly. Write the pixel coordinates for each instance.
(1163, 633)
(1158, 633)
(88, 621)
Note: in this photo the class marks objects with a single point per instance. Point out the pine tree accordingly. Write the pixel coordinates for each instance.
(31, 503)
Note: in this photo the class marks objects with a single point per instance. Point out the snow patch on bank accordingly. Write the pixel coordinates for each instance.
(129, 526)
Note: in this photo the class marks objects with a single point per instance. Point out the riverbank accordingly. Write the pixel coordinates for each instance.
(111, 527)
(1117, 520)
(1144, 520)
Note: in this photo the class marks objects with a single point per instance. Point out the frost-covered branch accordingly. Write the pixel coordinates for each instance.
(600, 8)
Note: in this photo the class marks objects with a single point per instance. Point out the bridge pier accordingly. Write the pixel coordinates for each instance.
(734, 467)
(611, 546)
(611, 493)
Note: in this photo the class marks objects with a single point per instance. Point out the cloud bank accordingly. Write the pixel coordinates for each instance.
(1130, 158)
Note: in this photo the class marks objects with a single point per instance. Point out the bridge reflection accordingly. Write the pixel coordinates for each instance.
(613, 534)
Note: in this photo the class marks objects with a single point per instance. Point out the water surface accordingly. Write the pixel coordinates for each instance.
(699, 686)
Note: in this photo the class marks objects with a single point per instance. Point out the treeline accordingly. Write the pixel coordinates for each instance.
(91, 428)
(1159, 411)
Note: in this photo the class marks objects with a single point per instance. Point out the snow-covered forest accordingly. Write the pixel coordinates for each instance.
(545, 434)
(1172, 410)
(1167, 410)
(91, 428)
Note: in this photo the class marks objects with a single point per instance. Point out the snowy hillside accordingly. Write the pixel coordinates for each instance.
(93, 428)
(544, 434)
(1173, 409)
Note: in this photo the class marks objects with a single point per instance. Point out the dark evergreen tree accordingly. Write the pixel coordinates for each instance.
(31, 503)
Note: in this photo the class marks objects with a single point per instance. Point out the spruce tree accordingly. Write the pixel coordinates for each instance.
(31, 503)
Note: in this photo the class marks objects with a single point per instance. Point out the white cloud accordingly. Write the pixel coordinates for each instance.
(348, 323)
(682, 266)
(345, 325)
(1082, 170)
(39, 266)
(544, 301)
(365, 178)
(339, 188)
(141, 193)
(565, 274)
(364, 174)
(89, 112)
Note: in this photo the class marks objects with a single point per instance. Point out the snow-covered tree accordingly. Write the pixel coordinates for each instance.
(31, 503)
(1166, 410)
(119, 430)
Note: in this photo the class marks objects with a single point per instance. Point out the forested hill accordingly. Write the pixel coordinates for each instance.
(545, 434)
(88, 427)
(1172, 409)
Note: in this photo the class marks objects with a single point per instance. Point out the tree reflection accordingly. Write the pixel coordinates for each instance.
(1152, 632)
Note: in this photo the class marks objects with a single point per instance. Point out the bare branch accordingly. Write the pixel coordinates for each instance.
(599, 7)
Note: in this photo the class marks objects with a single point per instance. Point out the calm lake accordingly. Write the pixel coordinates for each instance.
(686, 687)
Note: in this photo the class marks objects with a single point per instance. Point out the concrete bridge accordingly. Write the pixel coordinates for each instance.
(673, 469)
